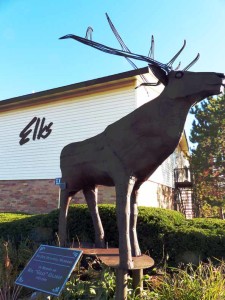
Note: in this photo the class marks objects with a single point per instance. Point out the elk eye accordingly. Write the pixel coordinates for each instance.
(179, 74)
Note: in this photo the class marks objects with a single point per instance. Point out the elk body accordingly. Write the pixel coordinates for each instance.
(128, 152)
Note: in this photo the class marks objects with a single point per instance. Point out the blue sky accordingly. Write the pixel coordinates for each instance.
(34, 59)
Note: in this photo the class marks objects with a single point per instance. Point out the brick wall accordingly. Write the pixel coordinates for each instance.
(165, 196)
(32, 196)
(40, 196)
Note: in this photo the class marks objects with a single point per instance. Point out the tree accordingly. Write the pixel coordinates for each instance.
(208, 158)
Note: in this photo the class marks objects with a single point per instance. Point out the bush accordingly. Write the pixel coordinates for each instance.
(17, 225)
(154, 225)
(198, 243)
(164, 234)
(214, 225)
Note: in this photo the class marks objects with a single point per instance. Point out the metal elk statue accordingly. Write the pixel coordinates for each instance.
(128, 151)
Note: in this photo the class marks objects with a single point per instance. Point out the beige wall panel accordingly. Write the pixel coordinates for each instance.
(73, 120)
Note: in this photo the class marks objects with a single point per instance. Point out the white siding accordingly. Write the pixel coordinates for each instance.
(147, 194)
(73, 120)
(164, 173)
(147, 93)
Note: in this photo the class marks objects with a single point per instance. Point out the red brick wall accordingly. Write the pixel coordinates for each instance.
(32, 196)
(42, 196)
(39, 196)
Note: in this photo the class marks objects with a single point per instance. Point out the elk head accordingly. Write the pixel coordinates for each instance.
(193, 86)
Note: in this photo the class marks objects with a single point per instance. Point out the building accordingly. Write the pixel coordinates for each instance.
(34, 128)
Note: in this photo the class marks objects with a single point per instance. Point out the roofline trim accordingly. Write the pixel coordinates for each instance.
(21, 100)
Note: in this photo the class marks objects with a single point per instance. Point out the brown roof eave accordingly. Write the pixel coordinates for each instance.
(56, 93)
(184, 144)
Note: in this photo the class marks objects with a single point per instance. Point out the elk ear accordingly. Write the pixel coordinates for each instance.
(160, 74)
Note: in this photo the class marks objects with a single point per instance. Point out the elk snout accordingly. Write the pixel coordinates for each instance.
(221, 75)
(223, 83)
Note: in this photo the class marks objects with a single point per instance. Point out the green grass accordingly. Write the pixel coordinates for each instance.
(205, 282)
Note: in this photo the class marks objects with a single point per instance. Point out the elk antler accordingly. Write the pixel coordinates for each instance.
(152, 48)
(124, 46)
(89, 33)
(170, 63)
(160, 70)
(192, 63)
(118, 52)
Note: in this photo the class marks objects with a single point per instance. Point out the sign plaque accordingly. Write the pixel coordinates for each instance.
(57, 181)
(49, 269)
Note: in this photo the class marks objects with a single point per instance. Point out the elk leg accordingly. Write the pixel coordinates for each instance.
(91, 196)
(64, 205)
(123, 194)
(133, 224)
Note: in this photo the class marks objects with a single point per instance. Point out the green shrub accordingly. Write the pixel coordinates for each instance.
(9, 217)
(164, 234)
(215, 225)
(13, 227)
(194, 241)
(154, 224)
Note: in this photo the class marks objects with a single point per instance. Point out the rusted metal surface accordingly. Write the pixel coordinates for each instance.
(110, 257)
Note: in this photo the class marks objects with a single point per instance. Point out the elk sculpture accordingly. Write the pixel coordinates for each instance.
(128, 151)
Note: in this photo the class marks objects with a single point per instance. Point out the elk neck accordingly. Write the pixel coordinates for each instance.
(170, 114)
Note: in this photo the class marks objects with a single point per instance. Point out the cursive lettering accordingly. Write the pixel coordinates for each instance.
(38, 128)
